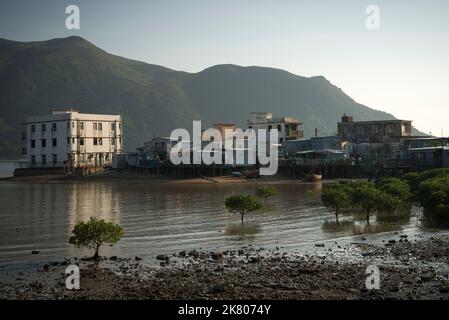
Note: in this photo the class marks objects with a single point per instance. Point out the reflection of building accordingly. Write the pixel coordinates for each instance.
(379, 131)
(98, 200)
(288, 127)
(72, 138)
(85, 200)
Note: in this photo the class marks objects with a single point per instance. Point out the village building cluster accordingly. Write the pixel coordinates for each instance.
(68, 139)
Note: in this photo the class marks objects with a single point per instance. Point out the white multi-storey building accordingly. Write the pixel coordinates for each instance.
(70, 138)
(288, 128)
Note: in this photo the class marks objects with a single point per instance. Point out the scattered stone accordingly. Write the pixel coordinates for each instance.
(355, 291)
(444, 289)
(217, 289)
(255, 259)
(217, 255)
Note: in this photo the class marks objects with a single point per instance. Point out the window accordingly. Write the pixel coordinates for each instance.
(81, 125)
(33, 144)
(43, 143)
(100, 126)
(113, 141)
(73, 140)
(68, 140)
(100, 141)
(81, 142)
(33, 128)
(279, 128)
(95, 126)
(44, 159)
(113, 126)
(269, 127)
(55, 158)
(120, 125)
(54, 142)
(43, 127)
(73, 124)
(33, 160)
(53, 127)
(95, 141)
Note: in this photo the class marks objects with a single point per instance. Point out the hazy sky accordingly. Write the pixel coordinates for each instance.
(402, 68)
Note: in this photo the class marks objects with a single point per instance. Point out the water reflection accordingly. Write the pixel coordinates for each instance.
(168, 218)
(344, 227)
(243, 231)
(354, 228)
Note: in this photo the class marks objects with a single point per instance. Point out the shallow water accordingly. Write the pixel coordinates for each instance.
(164, 219)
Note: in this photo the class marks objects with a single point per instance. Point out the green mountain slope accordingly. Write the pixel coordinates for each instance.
(36, 77)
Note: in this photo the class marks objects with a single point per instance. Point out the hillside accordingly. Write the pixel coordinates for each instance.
(36, 77)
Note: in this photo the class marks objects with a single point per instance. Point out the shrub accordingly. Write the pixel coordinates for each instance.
(242, 204)
(395, 187)
(266, 192)
(433, 194)
(94, 233)
(336, 198)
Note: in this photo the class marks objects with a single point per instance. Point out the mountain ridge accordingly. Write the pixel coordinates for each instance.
(72, 72)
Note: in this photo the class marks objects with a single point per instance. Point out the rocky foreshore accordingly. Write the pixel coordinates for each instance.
(415, 268)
